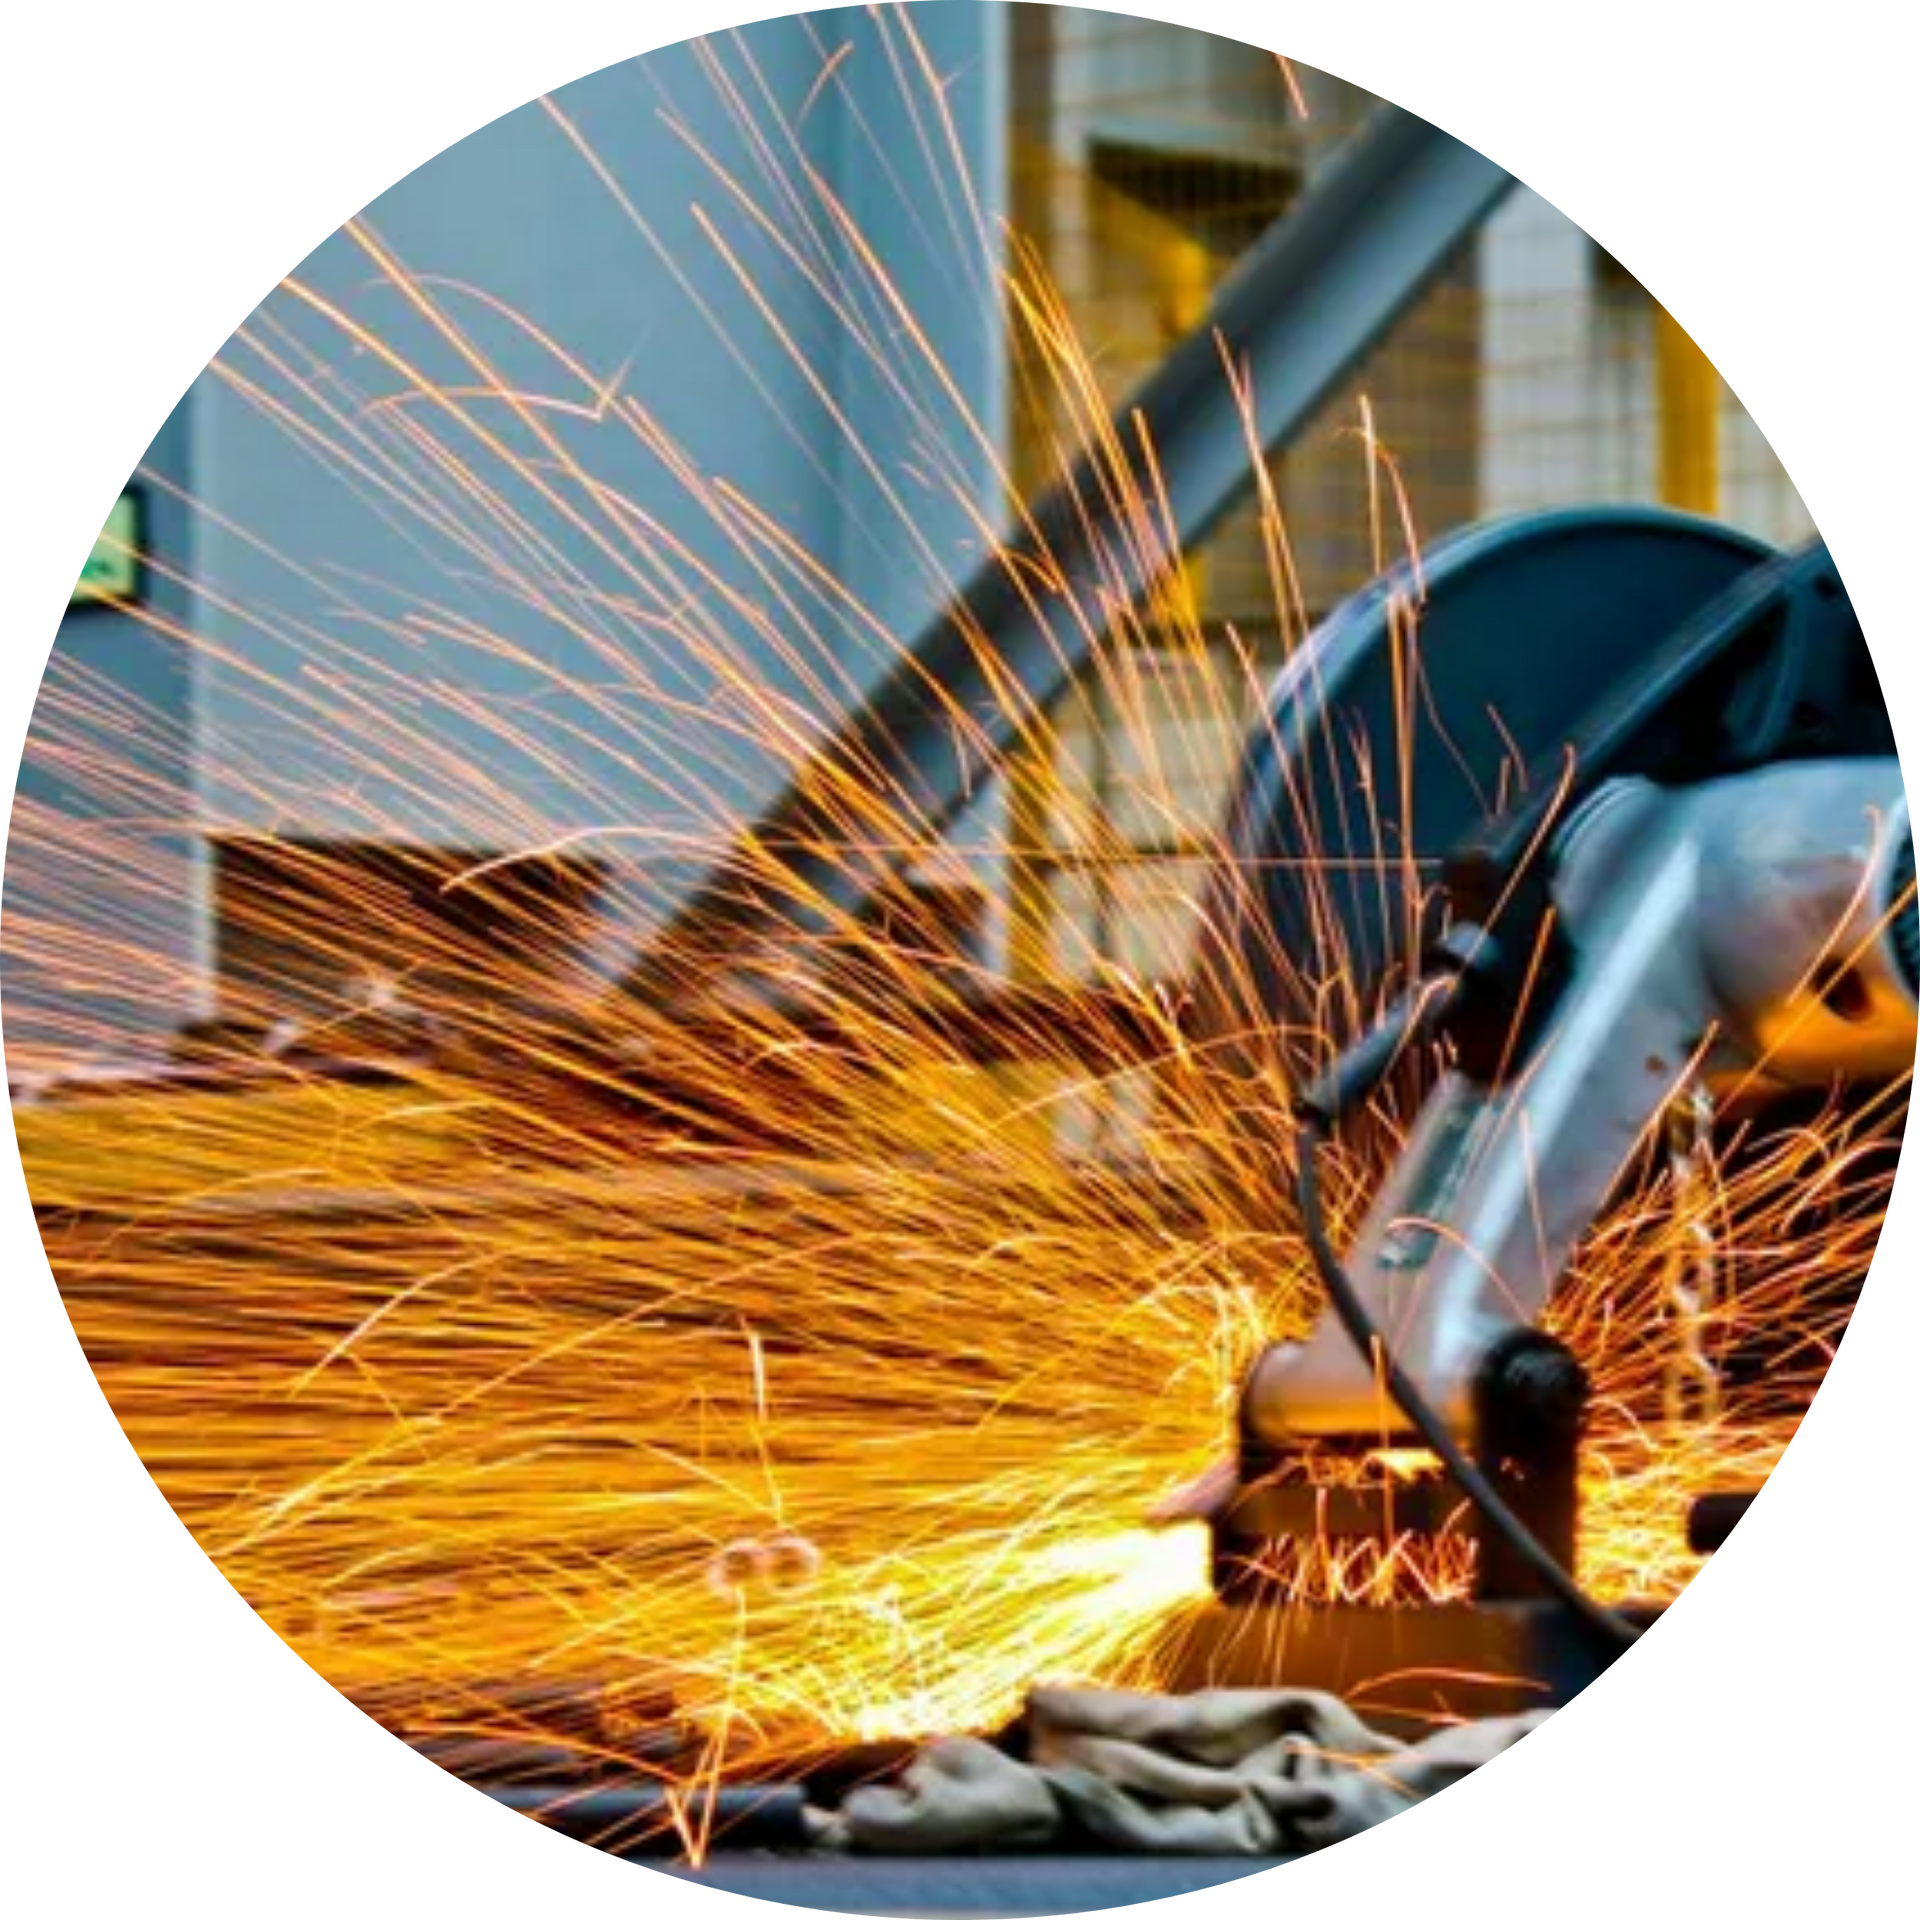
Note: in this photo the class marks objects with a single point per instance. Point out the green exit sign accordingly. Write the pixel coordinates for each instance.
(113, 573)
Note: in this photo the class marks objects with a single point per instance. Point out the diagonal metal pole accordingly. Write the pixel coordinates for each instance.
(1314, 296)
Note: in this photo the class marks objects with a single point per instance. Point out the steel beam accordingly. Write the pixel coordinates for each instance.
(1314, 296)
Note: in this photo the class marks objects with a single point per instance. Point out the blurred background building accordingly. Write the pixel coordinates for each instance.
(294, 515)
(1537, 373)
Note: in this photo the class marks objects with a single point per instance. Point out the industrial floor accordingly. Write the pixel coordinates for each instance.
(922, 1889)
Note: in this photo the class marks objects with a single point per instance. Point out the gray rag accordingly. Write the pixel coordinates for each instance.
(1234, 1771)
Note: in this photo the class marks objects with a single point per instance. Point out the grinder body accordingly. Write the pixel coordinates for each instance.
(1748, 934)
(1651, 841)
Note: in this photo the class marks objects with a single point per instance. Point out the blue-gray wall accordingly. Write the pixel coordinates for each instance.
(487, 656)
(99, 941)
(452, 575)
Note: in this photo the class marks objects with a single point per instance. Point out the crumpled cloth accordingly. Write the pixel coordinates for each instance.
(1232, 1771)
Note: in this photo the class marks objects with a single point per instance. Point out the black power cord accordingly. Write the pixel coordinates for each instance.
(1335, 1093)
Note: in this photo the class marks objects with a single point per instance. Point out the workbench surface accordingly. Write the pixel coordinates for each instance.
(1003, 1887)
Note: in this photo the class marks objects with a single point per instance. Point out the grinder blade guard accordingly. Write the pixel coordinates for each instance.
(1650, 837)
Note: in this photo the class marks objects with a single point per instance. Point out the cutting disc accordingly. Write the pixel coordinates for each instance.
(1400, 726)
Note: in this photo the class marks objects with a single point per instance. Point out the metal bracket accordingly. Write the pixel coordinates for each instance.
(1288, 327)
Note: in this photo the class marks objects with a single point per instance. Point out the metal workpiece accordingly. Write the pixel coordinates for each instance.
(1739, 933)
(1288, 327)
(1479, 1661)
(640, 1820)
